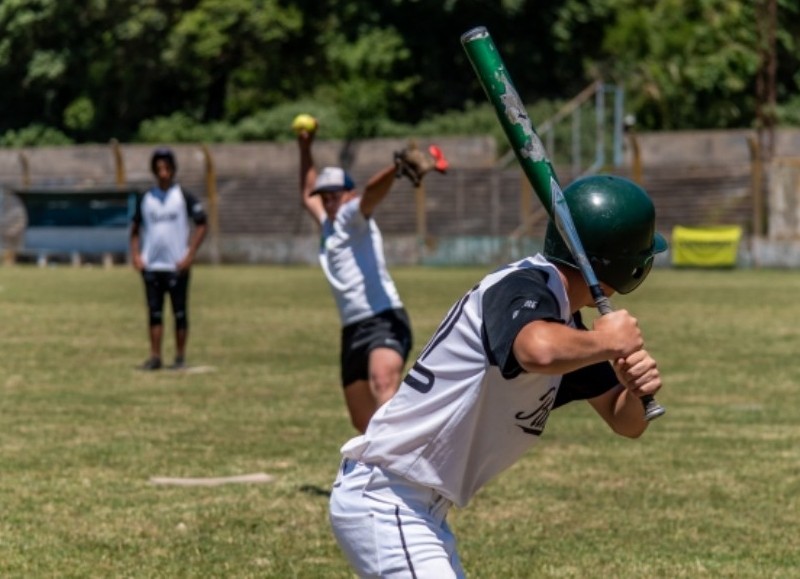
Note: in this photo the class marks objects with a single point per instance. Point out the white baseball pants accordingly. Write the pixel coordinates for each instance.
(390, 527)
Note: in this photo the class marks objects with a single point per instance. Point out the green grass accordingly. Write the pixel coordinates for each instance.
(711, 490)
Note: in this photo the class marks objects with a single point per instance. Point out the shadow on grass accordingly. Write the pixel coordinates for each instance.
(315, 491)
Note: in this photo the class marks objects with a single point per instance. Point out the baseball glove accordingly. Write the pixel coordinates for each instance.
(413, 163)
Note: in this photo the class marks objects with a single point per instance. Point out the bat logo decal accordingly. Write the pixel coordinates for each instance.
(516, 115)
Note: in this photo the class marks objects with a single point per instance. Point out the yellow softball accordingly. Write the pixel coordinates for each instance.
(304, 122)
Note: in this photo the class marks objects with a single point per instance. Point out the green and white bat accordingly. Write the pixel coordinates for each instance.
(538, 169)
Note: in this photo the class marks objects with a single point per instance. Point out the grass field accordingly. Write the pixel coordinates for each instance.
(711, 490)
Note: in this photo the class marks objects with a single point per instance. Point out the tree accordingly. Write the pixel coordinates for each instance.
(228, 50)
(685, 63)
(100, 68)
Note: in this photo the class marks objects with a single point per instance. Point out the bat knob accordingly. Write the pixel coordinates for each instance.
(652, 409)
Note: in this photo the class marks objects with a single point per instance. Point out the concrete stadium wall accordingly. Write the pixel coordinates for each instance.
(473, 214)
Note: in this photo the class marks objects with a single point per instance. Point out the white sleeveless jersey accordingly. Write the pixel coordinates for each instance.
(456, 420)
(351, 255)
(166, 227)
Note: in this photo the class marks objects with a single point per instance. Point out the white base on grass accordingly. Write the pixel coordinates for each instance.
(258, 477)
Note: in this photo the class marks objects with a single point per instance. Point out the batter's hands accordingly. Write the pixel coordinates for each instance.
(622, 333)
(638, 373)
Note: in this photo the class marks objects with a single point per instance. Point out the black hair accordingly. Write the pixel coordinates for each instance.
(165, 155)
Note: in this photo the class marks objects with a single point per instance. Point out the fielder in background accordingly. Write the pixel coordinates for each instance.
(480, 394)
(376, 335)
(163, 248)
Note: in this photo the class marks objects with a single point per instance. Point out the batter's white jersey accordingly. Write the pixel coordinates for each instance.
(467, 411)
(351, 255)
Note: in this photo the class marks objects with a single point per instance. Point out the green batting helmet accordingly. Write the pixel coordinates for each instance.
(615, 220)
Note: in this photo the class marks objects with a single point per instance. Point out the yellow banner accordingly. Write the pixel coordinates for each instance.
(716, 246)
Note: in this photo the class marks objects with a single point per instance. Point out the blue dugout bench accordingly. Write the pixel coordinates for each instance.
(72, 220)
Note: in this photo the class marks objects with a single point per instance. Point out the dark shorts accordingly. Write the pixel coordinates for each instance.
(390, 329)
(159, 283)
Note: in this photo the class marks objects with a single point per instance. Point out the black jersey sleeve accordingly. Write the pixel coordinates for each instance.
(585, 383)
(515, 301)
(194, 208)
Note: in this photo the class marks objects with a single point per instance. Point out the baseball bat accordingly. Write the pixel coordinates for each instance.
(538, 169)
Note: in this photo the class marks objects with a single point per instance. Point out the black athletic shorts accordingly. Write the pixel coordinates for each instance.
(389, 329)
(176, 284)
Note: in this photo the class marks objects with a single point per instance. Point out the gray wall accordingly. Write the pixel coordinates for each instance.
(473, 214)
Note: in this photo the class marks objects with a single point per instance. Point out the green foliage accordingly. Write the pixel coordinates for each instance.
(221, 39)
(685, 63)
(99, 69)
(181, 128)
(46, 67)
(274, 124)
(789, 113)
(365, 86)
(268, 125)
(696, 72)
(34, 135)
(475, 120)
(79, 115)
